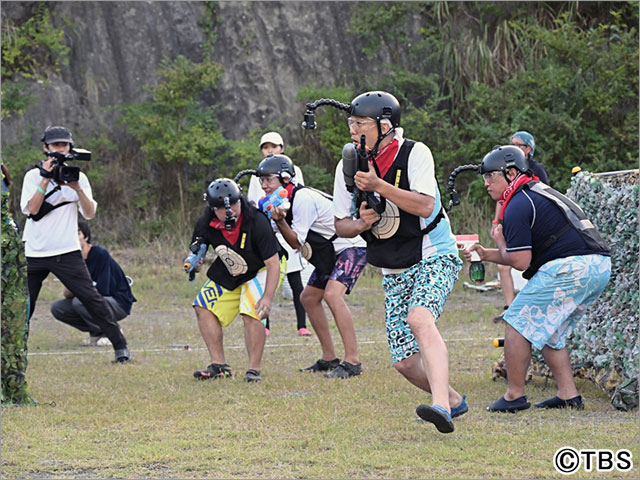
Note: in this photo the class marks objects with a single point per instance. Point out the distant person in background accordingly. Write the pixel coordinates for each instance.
(525, 142)
(271, 143)
(111, 283)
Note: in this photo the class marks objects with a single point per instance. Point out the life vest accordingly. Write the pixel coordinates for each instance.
(317, 250)
(235, 264)
(396, 240)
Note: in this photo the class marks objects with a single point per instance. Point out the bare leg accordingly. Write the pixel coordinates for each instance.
(413, 370)
(433, 352)
(254, 338)
(334, 296)
(311, 298)
(506, 284)
(517, 355)
(560, 364)
(211, 332)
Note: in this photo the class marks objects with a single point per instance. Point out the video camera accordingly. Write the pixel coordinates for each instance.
(61, 172)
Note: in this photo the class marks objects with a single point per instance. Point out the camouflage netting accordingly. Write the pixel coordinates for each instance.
(15, 304)
(604, 344)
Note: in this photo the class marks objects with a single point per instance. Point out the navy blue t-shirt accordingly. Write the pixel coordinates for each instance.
(530, 219)
(109, 278)
(539, 171)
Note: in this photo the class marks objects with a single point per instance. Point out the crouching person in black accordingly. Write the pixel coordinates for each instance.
(51, 238)
(243, 279)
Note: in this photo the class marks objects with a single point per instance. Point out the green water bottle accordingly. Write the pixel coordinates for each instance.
(476, 271)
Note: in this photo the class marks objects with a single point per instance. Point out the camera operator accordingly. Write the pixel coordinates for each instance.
(51, 240)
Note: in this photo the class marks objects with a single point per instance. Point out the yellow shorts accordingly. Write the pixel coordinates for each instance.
(226, 304)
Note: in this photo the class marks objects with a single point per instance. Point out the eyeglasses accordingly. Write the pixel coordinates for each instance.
(489, 176)
(520, 145)
(359, 125)
(267, 179)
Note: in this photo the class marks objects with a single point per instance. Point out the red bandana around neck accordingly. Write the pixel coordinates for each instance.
(516, 183)
(386, 156)
(230, 235)
(290, 188)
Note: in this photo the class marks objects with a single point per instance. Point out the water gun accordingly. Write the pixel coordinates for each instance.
(277, 198)
(198, 251)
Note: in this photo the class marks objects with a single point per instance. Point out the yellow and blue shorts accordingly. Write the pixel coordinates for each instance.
(227, 304)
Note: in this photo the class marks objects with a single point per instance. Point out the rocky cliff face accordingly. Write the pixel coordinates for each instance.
(268, 49)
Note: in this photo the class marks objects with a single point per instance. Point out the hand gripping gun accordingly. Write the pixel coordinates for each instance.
(277, 198)
(198, 251)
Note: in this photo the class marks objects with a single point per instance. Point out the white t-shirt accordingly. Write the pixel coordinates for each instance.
(313, 211)
(421, 173)
(57, 232)
(295, 262)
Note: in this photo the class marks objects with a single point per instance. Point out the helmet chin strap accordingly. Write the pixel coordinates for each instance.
(381, 137)
(229, 219)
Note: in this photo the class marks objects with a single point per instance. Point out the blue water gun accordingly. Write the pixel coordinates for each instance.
(278, 198)
(198, 251)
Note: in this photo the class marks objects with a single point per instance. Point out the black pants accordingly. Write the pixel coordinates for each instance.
(295, 282)
(73, 273)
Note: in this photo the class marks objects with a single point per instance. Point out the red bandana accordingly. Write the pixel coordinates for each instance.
(386, 156)
(230, 235)
(516, 183)
(289, 188)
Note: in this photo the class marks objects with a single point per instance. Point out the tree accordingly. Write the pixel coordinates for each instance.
(174, 128)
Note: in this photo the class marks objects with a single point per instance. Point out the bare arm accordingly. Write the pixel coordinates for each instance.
(277, 214)
(36, 200)
(352, 227)
(88, 207)
(263, 306)
(519, 260)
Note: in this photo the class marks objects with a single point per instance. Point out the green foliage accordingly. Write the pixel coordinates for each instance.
(566, 72)
(321, 149)
(208, 24)
(14, 98)
(15, 308)
(33, 48)
(174, 129)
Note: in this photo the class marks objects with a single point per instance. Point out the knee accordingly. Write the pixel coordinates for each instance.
(503, 269)
(308, 299)
(402, 367)
(57, 308)
(333, 297)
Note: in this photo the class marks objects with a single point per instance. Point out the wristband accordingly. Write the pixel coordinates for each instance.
(495, 222)
(40, 189)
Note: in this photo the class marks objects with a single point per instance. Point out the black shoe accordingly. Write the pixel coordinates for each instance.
(252, 376)
(511, 406)
(215, 370)
(345, 370)
(555, 402)
(322, 366)
(123, 355)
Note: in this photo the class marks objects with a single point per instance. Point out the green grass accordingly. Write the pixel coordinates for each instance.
(152, 419)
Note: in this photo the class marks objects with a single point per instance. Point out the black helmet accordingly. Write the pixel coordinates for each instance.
(376, 105)
(503, 158)
(221, 188)
(279, 165)
(56, 134)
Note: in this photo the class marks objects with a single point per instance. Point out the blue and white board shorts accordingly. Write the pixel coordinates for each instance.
(555, 298)
(425, 284)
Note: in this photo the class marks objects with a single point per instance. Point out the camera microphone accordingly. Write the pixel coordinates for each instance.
(349, 165)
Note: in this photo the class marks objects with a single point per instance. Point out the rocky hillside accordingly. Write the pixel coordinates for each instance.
(268, 49)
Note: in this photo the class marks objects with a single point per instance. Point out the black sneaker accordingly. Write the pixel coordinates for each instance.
(345, 370)
(322, 366)
(252, 376)
(215, 370)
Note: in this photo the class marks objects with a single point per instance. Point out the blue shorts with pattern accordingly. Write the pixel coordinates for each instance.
(349, 266)
(555, 298)
(426, 284)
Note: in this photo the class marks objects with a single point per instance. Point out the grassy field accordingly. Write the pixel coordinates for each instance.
(152, 419)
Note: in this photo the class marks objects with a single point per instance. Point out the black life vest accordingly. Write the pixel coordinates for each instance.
(235, 264)
(317, 250)
(396, 241)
